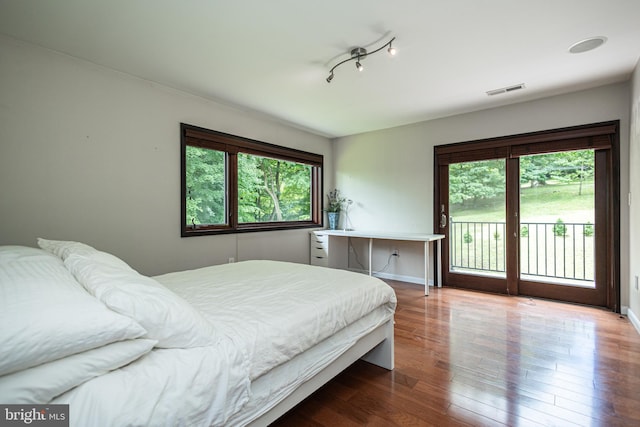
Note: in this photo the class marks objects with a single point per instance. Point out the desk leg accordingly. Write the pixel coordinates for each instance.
(426, 268)
(370, 254)
(439, 262)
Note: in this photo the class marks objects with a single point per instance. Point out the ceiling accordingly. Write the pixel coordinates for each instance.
(272, 57)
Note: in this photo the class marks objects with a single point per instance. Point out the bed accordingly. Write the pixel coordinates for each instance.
(234, 344)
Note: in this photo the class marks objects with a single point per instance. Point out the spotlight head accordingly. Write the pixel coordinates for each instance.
(330, 78)
(359, 66)
(391, 50)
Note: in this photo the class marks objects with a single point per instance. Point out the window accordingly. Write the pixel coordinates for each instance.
(232, 184)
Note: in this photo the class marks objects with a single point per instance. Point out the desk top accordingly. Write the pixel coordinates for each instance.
(419, 237)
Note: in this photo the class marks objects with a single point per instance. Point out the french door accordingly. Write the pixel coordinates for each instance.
(533, 214)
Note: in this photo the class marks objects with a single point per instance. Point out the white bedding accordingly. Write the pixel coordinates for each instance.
(277, 325)
(198, 386)
(257, 302)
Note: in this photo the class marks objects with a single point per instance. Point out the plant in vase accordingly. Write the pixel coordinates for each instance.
(336, 204)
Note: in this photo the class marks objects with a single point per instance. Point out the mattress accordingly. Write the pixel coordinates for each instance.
(258, 302)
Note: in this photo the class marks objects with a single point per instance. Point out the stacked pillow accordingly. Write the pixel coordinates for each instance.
(47, 316)
(168, 319)
(70, 313)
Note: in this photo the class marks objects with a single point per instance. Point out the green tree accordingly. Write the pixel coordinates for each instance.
(474, 182)
(269, 190)
(535, 170)
(272, 190)
(205, 183)
(579, 166)
(562, 167)
(559, 229)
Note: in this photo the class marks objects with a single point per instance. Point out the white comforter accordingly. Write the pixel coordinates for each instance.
(276, 309)
(266, 312)
(199, 386)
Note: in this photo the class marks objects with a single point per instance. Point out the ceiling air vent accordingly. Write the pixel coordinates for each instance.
(505, 89)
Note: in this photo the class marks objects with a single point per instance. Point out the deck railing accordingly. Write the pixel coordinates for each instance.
(549, 250)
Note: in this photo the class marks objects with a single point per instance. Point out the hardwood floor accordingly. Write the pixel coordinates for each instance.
(469, 358)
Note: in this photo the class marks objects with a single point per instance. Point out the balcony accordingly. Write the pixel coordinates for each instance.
(553, 252)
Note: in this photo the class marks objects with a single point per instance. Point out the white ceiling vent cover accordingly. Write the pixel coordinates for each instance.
(505, 89)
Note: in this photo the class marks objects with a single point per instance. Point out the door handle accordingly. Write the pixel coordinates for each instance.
(443, 217)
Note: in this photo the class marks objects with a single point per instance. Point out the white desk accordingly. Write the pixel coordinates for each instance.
(428, 239)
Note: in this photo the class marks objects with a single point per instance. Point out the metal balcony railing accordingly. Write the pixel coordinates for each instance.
(562, 251)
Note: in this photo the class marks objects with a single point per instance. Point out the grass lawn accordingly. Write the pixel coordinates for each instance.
(544, 203)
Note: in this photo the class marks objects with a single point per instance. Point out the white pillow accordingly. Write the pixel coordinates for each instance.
(42, 383)
(169, 319)
(46, 315)
(63, 249)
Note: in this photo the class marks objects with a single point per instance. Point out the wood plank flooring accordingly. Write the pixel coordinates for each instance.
(469, 358)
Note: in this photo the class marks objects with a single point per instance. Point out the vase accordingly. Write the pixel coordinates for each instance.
(334, 218)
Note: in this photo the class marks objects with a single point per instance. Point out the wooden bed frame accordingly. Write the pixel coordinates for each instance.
(377, 347)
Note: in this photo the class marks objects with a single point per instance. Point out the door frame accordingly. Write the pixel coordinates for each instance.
(599, 136)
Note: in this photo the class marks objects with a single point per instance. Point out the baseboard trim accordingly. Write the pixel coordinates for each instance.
(398, 277)
(634, 320)
(401, 278)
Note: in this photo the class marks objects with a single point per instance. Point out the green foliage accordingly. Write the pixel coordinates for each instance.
(205, 179)
(588, 229)
(562, 167)
(467, 238)
(559, 229)
(272, 190)
(524, 231)
(474, 182)
(496, 235)
(268, 189)
(481, 184)
(335, 201)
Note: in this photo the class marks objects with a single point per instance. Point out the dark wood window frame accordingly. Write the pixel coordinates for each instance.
(232, 145)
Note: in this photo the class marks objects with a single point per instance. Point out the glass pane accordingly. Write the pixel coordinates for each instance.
(205, 179)
(557, 202)
(272, 190)
(477, 206)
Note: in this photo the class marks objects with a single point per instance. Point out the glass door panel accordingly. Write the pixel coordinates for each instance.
(477, 210)
(557, 218)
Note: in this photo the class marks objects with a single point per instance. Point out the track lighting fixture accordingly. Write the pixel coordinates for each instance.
(360, 53)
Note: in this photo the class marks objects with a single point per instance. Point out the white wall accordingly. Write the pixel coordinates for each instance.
(634, 210)
(389, 173)
(91, 154)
